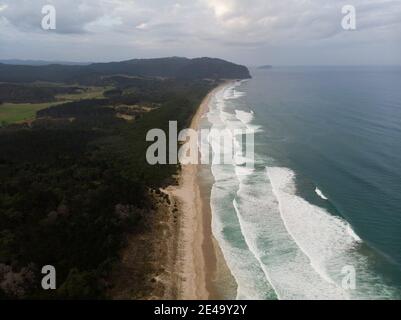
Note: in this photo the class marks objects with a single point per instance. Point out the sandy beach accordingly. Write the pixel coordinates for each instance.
(198, 256)
(176, 246)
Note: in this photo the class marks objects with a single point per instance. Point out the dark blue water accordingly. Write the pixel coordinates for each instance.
(339, 130)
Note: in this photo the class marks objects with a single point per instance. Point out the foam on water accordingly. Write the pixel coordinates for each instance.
(269, 257)
(245, 268)
(321, 236)
(250, 278)
(277, 244)
(328, 241)
(352, 233)
(320, 194)
(285, 265)
(245, 117)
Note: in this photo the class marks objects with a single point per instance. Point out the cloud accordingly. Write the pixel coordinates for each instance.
(160, 27)
(243, 21)
(72, 15)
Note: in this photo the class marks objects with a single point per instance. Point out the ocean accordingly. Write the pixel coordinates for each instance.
(319, 214)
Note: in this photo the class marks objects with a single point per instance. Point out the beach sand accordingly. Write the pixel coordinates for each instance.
(175, 256)
(199, 260)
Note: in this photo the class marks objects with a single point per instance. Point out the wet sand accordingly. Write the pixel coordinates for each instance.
(199, 261)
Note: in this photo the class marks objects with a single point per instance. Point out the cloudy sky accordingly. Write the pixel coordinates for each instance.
(279, 32)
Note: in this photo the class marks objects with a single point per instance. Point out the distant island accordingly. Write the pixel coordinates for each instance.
(267, 66)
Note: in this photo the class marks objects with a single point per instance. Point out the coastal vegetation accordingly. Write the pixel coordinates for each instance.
(92, 74)
(21, 102)
(74, 180)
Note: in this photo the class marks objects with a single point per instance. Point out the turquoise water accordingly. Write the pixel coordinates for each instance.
(324, 196)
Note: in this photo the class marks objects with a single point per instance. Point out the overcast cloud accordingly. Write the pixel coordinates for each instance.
(289, 32)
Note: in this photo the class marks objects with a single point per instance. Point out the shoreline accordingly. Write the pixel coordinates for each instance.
(199, 259)
(182, 259)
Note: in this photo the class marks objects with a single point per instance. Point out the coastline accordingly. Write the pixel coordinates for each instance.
(176, 256)
(199, 260)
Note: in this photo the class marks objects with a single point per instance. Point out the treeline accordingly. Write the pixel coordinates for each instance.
(33, 94)
(174, 68)
(64, 206)
(71, 190)
(82, 108)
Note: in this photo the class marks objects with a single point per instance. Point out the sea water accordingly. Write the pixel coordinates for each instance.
(324, 195)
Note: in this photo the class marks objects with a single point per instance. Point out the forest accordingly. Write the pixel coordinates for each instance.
(75, 180)
(174, 67)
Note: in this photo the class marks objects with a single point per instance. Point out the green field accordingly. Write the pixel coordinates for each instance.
(20, 112)
(91, 93)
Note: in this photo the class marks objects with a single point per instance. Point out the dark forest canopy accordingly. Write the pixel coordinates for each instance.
(33, 94)
(75, 180)
(175, 67)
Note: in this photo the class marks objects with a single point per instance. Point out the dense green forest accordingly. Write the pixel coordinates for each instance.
(75, 181)
(33, 93)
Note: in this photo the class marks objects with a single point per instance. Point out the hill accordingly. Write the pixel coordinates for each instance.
(39, 62)
(174, 67)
